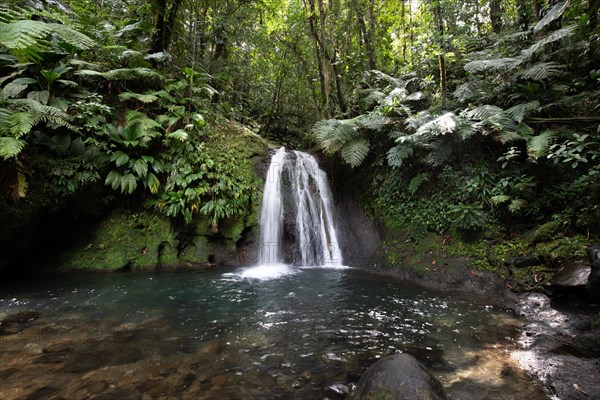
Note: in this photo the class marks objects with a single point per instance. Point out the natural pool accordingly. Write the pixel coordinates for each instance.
(221, 334)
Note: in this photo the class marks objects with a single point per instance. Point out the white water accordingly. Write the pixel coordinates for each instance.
(295, 181)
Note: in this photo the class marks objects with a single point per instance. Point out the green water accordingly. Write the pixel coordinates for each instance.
(289, 337)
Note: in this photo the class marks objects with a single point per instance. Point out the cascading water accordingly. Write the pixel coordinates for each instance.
(296, 188)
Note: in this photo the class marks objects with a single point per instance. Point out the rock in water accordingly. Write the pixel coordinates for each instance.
(399, 376)
(571, 277)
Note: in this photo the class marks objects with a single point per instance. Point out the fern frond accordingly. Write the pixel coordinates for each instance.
(371, 97)
(355, 151)
(10, 147)
(331, 134)
(142, 97)
(128, 74)
(23, 34)
(538, 146)
(21, 123)
(551, 38)
(542, 71)
(553, 14)
(398, 154)
(483, 112)
(508, 63)
(442, 125)
(416, 182)
(72, 37)
(372, 121)
(519, 111)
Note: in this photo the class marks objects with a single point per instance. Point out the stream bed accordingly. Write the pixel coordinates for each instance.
(308, 333)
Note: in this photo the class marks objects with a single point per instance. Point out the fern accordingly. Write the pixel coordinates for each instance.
(142, 97)
(398, 154)
(542, 71)
(550, 38)
(416, 182)
(493, 65)
(354, 152)
(10, 147)
(553, 14)
(539, 146)
(519, 111)
(442, 125)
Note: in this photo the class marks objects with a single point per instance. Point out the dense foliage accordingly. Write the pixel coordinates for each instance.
(462, 115)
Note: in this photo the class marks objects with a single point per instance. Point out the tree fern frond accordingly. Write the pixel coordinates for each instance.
(355, 151)
(371, 97)
(439, 154)
(142, 97)
(542, 71)
(23, 34)
(553, 14)
(128, 74)
(21, 123)
(398, 154)
(509, 63)
(331, 134)
(519, 111)
(442, 125)
(416, 182)
(420, 119)
(508, 136)
(538, 146)
(72, 37)
(483, 112)
(550, 38)
(372, 121)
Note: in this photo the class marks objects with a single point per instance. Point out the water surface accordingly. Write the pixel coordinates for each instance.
(226, 334)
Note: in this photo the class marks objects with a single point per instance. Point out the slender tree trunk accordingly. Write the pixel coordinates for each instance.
(496, 15)
(593, 11)
(161, 40)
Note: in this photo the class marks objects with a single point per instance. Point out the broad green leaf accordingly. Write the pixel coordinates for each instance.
(153, 183)
(120, 158)
(113, 179)
(128, 184)
(140, 167)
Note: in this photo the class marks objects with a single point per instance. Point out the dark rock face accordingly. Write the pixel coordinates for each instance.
(593, 283)
(399, 376)
(358, 235)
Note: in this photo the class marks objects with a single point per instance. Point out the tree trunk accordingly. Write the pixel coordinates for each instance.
(161, 40)
(496, 15)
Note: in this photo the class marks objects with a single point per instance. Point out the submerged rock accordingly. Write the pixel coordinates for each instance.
(15, 323)
(399, 376)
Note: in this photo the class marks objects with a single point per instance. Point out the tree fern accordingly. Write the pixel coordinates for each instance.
(493, 65)
(141, 97)
(553, 14)
(398, 154)
(542, 71)
(519, 111)
(355, 151)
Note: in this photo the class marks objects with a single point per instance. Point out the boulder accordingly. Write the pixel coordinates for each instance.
(572, 277)
(593, 283)
(399, 376)
(15, 323)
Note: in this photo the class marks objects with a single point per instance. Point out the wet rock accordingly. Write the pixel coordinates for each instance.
(359, 237)
(593, 253)
(42, 393)
(400, 376)
(120, 394)
(15, 323)
(572, 277)
(338, 389)
(593, 283)
(91, 360)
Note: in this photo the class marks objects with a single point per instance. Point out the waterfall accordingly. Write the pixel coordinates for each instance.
(297, 211)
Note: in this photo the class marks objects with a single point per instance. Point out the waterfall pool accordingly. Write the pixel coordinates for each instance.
(228, 334)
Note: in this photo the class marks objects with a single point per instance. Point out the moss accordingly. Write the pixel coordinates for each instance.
(546, 232)
(232, 228)
(168, 256)
(562, 249)
(123, 241)
(198, 252)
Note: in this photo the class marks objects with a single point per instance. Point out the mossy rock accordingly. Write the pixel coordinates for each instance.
(562, 249)
(232, 228)
(545, 232)
(124, 241)
(200, 251)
